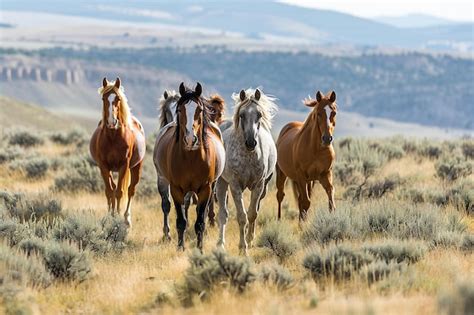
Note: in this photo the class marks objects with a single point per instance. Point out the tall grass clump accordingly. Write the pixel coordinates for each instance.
(24, 138)
(206, 272)
(278, 276)
(280, 239)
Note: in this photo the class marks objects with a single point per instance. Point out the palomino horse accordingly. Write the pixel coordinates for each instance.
(118, 145)
(306, 154)
(250, 161)
(167, 108)
(190, 155)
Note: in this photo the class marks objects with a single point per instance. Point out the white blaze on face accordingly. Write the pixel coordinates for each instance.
(328, 113)
(190, 110)
(111, 99)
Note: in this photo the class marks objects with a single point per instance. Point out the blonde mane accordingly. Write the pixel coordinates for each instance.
(125, 115)
(266, 106)
(173, 96)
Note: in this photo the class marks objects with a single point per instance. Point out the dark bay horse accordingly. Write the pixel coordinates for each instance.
(190, 155)
(305, 153)
(118, 145)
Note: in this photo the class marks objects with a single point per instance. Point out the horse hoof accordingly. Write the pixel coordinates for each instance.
(166, 238)
(220, 246)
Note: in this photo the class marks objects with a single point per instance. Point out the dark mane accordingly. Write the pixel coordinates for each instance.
(190, 95)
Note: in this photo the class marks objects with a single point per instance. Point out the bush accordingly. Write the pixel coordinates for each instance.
(374, 189)
(448, 239)
(430, 150)
(468, 243)
(217, 269)
(9, 154)
(468, 148)
(31, 207)
(379, 270)
(32, 246)
(26, 270)
(277, 276)
(24, 138)
(279, 238)
(77, 136)
(459, 301)
(328, 226)
(66, 263)
(36, 168)
(340, 262)
(81, 177)
(452, 169)
(396, 251)
(13, 232)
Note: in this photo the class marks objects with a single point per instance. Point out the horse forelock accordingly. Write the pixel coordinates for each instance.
(124, 110)
(183, 100)
(266, 106)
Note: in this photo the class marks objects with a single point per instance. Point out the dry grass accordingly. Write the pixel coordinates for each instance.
(131, 281)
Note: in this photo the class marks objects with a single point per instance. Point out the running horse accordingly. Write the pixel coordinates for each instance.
(118, 145)
(305, 153)
(190, 155)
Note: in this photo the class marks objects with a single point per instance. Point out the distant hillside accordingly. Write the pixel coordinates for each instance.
(257, 19)
(14, 114)
(414, 20)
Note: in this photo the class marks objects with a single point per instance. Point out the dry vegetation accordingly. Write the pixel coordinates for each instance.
(401, 240)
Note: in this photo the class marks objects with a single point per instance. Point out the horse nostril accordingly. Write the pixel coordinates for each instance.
(330, 138)
(195, 139)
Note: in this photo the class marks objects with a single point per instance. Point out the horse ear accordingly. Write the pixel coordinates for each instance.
(257, 94)
(332, 97)
(198, 89)
(319, 96)
(182, 89)
(242, 95)
(117, 83)
(165, 95)
(104, 82)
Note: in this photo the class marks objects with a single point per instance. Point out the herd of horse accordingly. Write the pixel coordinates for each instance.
(200, 156)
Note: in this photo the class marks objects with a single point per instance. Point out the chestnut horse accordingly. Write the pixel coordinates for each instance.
(167, 109)
(305, 153)
(190, 155)
(118, 145)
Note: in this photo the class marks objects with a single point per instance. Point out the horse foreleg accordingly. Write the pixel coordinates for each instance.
(326, 182)
(109, 189)
(221, 192)
(122, 184)
(280, 184)
(253, 210)
(181, 217)
(241, 217)
(164, 190)
(134, 179)
(201, 208)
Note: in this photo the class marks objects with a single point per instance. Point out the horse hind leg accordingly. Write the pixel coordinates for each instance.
(164, 190)
(134, 179)
(280, 184)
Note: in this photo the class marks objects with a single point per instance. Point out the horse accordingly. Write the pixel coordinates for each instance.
(306, 154)
(250, 161)
(118, 145)
(190, 155)
(167, 109)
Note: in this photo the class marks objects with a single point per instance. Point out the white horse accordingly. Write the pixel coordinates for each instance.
(250, 160)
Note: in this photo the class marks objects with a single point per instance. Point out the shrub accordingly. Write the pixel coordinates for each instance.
(24, 138)
(216, 269)
(340, 262)
(468, 243)
(9, 154)
(13, 232)
(379, 270)
(459, 301)
(36, 168)
(66, 263)
(452, 169)
(430, 150)
(277, 276)
(279, 238)
(32, 246)
(27, 270)
(374, 189)
(81, 177)
(448, 239)
(396, 251)
(468, 148)
(77, 136)
(31, 207)
(327, 226)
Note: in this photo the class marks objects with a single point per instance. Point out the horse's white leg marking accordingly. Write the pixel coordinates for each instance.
(241, 217)
(128, 213)
(221, 190)
(253, 210)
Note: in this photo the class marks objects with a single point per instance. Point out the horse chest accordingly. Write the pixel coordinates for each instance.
(244, 167)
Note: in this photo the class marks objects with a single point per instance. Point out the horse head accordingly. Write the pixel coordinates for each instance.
(325, 109)
(115, 111)
(191, 117)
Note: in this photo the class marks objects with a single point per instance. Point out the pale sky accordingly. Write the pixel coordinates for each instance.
(457, 10)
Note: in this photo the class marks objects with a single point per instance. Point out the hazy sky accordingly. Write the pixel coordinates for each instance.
(459, 10)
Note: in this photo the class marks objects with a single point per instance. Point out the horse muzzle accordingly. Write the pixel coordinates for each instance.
(191, 142)
(326, 140)
(114, 125)
(250, 144)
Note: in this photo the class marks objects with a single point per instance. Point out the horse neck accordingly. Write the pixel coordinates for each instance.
(311, 130)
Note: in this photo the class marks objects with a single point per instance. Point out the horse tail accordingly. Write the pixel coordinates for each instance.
(309, 188)
(216, 108)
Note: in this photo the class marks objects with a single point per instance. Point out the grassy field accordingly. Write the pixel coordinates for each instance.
(401, 240)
